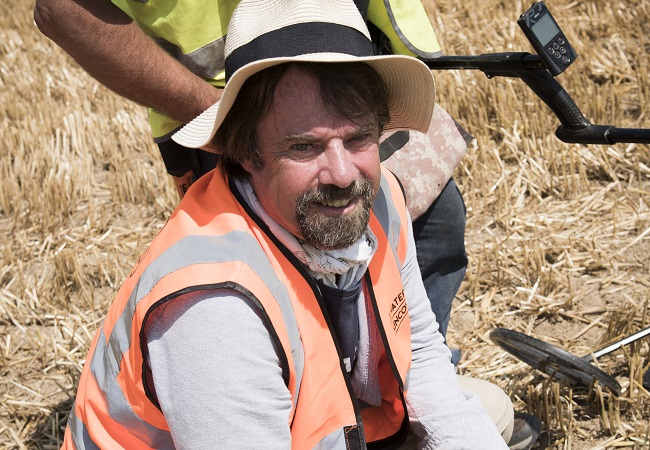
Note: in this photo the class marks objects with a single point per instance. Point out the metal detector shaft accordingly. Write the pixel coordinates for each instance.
(530, 69)
(574, 126)
(616, 345)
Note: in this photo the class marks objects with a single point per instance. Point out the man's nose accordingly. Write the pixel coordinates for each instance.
(338, 166)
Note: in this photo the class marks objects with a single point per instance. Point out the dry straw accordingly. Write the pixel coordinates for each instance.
(558, 235)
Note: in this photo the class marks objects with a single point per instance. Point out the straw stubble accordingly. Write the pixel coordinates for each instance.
(558, 235)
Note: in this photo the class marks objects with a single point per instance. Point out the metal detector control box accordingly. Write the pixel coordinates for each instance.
(547, 38)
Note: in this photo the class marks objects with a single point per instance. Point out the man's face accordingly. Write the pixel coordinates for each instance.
(321, 171)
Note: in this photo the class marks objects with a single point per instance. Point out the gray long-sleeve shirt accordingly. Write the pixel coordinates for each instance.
(218, 380)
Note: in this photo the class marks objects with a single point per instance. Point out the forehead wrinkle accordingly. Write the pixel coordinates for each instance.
(307, 137)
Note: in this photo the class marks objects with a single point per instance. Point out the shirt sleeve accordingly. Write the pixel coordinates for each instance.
(217, 374)
(441, 415)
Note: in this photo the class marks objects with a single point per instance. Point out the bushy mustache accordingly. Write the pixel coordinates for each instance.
(361, 187)
(331, 233)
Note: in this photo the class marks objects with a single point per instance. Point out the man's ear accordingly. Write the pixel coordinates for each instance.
(248, 166)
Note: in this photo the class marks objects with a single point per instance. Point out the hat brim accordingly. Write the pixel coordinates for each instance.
(409, 81)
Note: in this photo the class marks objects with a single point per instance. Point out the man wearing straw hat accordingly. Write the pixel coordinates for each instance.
(281, 306)
(175, 67)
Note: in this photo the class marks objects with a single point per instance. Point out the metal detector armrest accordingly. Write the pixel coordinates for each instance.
(603, 134)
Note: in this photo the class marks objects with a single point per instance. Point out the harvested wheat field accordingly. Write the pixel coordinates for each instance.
(558, 235)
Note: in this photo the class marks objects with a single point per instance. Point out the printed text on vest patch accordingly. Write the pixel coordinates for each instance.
(398, 310)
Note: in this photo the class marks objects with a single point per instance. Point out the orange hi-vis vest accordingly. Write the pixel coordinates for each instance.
(213, 240)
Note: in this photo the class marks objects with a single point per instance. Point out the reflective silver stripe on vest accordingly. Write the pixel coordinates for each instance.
(106, 360)
(388, 217)
(333, 441)
(80, 438)
(402, 37)
(205, 62)
(105, 373)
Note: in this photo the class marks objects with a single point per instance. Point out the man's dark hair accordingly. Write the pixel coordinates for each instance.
(355, 90)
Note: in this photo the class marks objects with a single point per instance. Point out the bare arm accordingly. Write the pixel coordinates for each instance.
(103, 40)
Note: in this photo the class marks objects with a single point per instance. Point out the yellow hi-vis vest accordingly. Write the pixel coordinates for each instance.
(194, 32)
(214, 241)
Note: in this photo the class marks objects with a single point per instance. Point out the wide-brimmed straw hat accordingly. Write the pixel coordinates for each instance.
(265, 33)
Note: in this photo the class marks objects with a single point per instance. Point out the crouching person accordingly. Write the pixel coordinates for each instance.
(282, 305)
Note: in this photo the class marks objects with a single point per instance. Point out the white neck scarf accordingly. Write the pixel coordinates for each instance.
(336, 268)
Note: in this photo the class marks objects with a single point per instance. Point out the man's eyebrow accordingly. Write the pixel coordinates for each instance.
(365, 129)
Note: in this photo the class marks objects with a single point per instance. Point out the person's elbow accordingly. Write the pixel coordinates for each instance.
(44, 17)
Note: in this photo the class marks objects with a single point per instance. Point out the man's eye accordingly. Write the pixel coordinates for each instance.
(361, 138)
(302, 147)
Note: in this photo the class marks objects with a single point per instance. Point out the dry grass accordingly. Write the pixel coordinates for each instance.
(558, 235)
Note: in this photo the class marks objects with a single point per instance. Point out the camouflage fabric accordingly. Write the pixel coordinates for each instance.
(427, 161)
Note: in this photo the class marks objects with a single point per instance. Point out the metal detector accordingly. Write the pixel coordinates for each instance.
(559, 363)
(554, 56)
(533, 70)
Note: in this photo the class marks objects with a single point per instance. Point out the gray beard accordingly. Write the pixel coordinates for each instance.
(334, 233)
